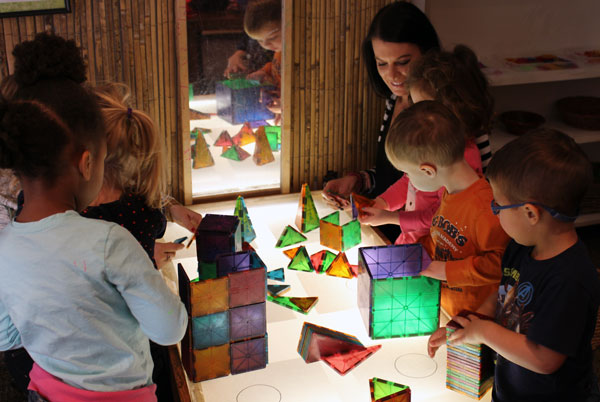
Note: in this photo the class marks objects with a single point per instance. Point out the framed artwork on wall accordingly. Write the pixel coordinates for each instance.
(17, 8)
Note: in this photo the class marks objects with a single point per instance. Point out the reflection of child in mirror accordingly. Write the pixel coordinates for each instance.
(262, 22)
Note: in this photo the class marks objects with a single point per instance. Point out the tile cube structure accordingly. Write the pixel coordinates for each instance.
(227, 314)
(238, 101)
(336, 236)
(216, 234)
(394, 301)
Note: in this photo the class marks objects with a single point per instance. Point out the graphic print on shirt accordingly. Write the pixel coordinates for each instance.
(512, 300)
(453, 241)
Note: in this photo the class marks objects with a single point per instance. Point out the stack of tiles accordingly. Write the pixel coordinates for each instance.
(227, 310)
(341, 351)
(470, 367)
(216, 235)
(393, 299)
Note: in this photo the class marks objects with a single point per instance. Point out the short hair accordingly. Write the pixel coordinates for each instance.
(545, 166)
(260, 13)
(426, 132)
(455, 79)
(398, 22)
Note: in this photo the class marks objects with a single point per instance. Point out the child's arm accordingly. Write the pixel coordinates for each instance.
(511, 345)
(160, 313)
(9, 335)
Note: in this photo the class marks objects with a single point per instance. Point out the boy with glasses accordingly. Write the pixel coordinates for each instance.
(546, 307)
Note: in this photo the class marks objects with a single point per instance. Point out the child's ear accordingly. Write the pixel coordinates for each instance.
(532, 213)
(428, 169)
(85, 165)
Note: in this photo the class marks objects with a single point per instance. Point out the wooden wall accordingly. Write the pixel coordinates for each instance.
(331, 114)
(130, 41)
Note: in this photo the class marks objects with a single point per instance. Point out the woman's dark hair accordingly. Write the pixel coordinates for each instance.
(50, 112)
(398, 22)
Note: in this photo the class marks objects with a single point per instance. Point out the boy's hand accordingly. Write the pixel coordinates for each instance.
(472, 330)
(259, 76)
(436, 270)
(437, 339)
(236, 63)
(375, 216)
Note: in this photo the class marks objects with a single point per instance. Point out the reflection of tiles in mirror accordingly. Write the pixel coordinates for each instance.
(259, 392)
(415, 365)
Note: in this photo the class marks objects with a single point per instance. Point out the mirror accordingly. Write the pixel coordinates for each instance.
(235, 134)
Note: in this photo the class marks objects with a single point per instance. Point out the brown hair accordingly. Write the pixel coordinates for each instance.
(134, 156)
(456, 80)
(261, 12)
(544, 166)
(426, 132)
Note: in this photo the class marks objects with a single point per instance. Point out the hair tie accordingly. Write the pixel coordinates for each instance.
(129, 113)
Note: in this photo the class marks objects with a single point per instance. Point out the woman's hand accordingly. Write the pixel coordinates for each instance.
(337, 191)
(165, 252)
(185, 217)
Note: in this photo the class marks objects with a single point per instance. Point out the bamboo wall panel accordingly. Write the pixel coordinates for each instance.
(331, 115)
(137, 42)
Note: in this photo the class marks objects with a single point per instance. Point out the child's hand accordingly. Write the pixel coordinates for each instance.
(258, 75)
(164, 252)
(437, 339)
(236, 63)
(472, 330)
(435, 270)
(375, 216)
(185, 217)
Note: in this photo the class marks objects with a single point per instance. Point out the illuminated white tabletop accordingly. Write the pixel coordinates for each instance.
(287, 377)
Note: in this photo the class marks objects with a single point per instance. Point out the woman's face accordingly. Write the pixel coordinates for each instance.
(393, 60)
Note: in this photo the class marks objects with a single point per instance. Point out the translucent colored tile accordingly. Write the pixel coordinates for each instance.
(262, 150)
(277, 290)
(247, 287)
(301, 261)
(382, 390)
(246, 227)
(276, 274)
(212, 362)
(247, 322)
(344, 362)
(321, 260)
(392, 261)
(289, 236)
(217, 234)
(307, 218)
(210, 330)
(299, 304)
(209, 296)
(340, 267)
(233, 262)
(249, 355)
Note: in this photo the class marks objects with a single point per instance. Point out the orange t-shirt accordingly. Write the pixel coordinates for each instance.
(467, 235)
(273, 70)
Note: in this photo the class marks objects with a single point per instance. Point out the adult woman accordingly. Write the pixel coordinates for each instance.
(399, 34)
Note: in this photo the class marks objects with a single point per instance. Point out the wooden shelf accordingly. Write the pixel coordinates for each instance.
(500, 136)
(499, 76)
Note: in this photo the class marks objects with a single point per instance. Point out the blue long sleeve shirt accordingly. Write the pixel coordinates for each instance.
(82, 296)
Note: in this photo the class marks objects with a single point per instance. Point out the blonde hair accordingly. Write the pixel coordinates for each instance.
(134, 160)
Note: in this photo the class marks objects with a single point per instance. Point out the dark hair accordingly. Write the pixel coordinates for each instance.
(545, 166)
(50, 114)
(261, 12)
(455, 79)
(426, 132)
(398, 22)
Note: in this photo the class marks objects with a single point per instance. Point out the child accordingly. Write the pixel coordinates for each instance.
(455, 80)
(262, 22)
(466, 241)
(131, 194)
(80, 295)
(547, 304)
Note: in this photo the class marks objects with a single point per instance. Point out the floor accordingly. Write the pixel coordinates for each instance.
(590, 235)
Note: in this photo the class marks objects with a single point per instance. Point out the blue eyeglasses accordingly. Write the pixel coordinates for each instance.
(553, 213)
